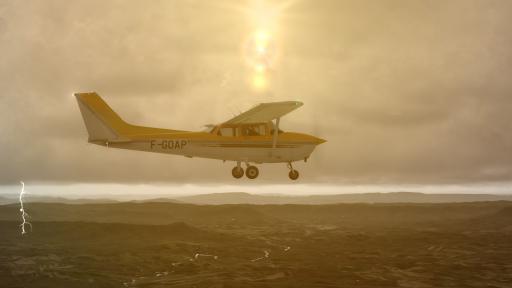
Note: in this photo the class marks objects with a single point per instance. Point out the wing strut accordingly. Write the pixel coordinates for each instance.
(276, 132)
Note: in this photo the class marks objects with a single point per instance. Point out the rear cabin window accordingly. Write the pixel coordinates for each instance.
(227, 132)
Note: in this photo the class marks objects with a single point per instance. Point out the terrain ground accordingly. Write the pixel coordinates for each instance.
(185, 245)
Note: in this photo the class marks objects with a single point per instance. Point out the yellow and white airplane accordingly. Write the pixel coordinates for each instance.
(251, 137)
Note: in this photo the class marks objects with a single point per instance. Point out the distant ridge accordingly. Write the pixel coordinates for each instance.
(393, 197)
(262, 199)
(13, 198)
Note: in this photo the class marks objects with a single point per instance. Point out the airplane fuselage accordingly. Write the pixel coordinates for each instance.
(259, 149)
(250, 137)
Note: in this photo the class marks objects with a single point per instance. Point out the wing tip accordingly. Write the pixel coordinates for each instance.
(297, 103)
(81, 95)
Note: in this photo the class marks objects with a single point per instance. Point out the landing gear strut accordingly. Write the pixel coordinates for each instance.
(294, 174)
(238, 171)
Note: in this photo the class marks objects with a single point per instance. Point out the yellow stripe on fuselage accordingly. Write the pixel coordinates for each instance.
(283, 138)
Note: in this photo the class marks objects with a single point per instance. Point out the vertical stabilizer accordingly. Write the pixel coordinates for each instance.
(102, 123)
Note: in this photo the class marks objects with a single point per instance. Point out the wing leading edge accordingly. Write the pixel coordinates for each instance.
(265, 112)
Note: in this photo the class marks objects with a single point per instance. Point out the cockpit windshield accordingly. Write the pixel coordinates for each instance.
(208, 128)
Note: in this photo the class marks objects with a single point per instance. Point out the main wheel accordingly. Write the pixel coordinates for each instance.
(237, 172)
(294, 174)
(252, 172)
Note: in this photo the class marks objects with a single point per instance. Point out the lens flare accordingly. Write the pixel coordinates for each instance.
(260, 48)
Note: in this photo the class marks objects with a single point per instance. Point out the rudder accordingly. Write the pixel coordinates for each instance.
(102, 123)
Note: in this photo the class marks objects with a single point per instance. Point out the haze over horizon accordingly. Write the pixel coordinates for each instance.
(125, 192)
(406, 92)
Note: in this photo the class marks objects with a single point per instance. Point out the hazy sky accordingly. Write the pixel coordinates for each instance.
(406, 92)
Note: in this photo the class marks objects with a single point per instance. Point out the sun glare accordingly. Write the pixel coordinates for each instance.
(259, 81)
(260, 46)
(262, 37)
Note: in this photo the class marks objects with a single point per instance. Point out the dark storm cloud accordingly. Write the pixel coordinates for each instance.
(405, 91)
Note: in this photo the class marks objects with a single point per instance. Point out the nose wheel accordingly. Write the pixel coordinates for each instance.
(293, 174)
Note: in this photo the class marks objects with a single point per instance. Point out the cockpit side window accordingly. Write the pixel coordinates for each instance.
(243, 130)
(250, 131)
(254, 130)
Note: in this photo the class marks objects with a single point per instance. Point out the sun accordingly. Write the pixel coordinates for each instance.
(259, 81)
(260, 48)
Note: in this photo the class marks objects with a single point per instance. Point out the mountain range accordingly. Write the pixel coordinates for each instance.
(260, 199)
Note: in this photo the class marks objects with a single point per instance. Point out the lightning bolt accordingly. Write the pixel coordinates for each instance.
(205, 255)
(24, 214)
(267, 253)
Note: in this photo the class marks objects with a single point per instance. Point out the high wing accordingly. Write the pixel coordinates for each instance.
(265, 112)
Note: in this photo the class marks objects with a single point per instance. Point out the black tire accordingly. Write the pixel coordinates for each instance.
(237, 172)
(294, 174)
(252, 172)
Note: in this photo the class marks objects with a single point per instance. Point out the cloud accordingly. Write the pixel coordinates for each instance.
(405, 92)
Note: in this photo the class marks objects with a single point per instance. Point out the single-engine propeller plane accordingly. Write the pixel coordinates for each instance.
(251, 137)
